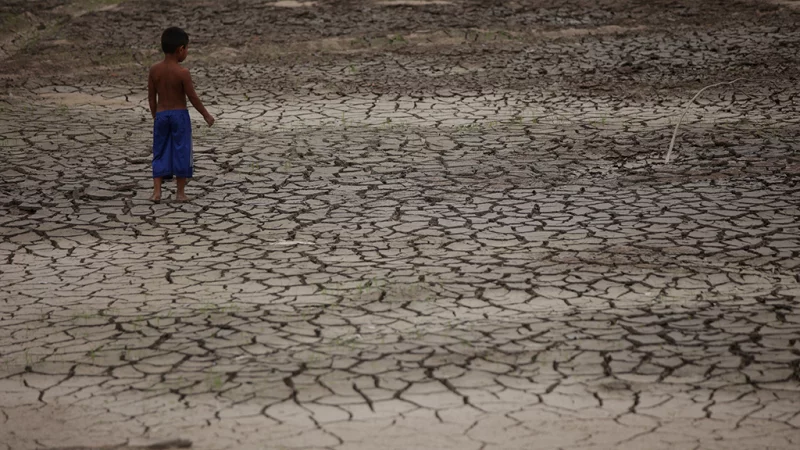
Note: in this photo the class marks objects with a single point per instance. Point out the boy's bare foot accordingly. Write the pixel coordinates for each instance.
(156, 197)
(180, 194)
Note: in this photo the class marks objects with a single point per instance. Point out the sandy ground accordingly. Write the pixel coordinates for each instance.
(416, 225)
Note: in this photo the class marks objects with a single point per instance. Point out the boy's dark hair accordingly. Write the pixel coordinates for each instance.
(172, 39)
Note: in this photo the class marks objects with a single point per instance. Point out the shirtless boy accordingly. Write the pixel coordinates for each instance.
(168, 86)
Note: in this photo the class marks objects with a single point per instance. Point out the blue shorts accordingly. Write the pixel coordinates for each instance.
(172, 144)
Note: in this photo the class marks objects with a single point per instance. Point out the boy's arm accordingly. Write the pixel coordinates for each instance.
(188, 87)
(151, 94)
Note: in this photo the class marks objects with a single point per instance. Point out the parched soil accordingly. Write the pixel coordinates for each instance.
(594, 46)
(416, 224)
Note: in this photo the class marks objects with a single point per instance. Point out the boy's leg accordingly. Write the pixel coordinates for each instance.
(156, 190)
(182, 151)
(181, 195)
(162, 154)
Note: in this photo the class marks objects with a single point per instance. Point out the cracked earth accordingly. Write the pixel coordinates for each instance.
(416, 225)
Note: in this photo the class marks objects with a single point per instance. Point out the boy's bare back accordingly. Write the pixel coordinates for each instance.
(169, 80)
(169, 84)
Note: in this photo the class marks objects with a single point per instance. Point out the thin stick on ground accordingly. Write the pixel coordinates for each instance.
(686, 109)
